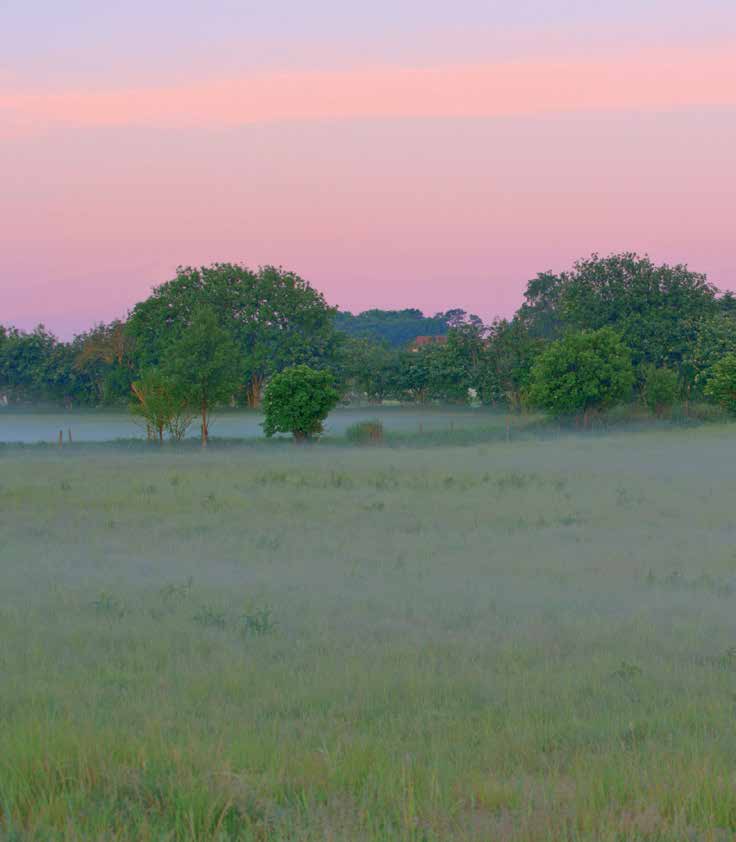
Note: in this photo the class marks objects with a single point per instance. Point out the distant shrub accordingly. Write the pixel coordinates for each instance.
(365, 432)
(660, 390)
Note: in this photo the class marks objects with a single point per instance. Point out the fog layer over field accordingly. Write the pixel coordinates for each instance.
(523, 641)
(31, 426)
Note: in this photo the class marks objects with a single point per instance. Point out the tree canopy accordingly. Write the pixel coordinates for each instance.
(655, 308)
(582, 372)
(394, 327)
(275, 317)
(672, 323)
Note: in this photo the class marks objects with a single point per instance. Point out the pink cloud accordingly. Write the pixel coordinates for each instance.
(656, 79)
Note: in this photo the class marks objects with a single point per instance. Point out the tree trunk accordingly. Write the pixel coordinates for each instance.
(205, 427)
(253, 392)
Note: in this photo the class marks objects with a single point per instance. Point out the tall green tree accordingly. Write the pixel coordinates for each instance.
(457, 365)
(582, 373)
(507, 361)
(656, 308)
(275, 317)
(204, 365)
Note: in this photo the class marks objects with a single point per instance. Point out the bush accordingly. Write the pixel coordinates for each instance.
(365, 432)
(661, 389)
(297, 401)
(721, 385)
(582, 373)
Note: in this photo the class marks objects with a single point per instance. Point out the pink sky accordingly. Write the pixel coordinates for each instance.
(434, 186)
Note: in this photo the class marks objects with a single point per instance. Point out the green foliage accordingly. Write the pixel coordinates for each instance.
(275, 318)
(395, 328)
(507, 362)
(540, 313)
(36, 367)
(657, 308)
(297, 401)
(459, 362)
(715, 337)
(159, 401)
(204, 364)
(104, 354)
(370, 369)
(583, 372)
(660, 390)
(721, 385)
(365, 432)
(671, 318)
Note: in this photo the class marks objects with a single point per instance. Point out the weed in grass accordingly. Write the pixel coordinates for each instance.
(176, 592)
(258, 621)
(724, 661)
(627, 671)
(210, 617)
(270, 543)
(513, 480)
(109, 605)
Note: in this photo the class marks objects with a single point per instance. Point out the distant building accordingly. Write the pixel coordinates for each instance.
(420, 341)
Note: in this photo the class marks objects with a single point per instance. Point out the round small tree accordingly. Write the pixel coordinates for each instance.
(582, 373)
(721, 384)
(297, 401)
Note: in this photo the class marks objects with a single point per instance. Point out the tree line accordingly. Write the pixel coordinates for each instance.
(609, 330)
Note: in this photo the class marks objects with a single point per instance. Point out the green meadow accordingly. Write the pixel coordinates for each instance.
(527, 640)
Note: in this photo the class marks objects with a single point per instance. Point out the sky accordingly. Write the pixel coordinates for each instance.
(399, 153)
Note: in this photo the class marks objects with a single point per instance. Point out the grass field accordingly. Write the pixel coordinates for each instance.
(525, 641)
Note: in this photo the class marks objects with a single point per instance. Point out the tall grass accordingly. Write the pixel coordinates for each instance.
(503, 641)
